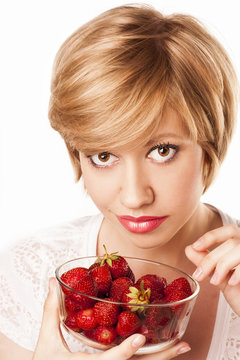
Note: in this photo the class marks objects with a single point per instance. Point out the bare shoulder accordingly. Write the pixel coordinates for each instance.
(11, 351)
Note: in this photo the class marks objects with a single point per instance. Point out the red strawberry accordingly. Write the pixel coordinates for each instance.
(93, 266)
(86, 319)
(131, 275)
(128, 323)
(117, 265)
(102, 276)
(155, 283)
(169, 331)
(173, 296)
(179, 284)
(157, 316)
(106, 313)
(118, 287)
(90, 334)
(71, 305)
(136, 294)
(105, 334)
(71, 322)
(71, 277)
(150, 334)
(88, 286)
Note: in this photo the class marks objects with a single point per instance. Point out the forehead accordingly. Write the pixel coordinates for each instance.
(171, 128)
(172, 124)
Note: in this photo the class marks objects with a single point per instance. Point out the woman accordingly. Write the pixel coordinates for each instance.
(146, 105)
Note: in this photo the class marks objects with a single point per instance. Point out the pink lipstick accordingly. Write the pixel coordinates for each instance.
(142, 224)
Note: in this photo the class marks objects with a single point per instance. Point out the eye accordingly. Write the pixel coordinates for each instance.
(103, 159)
(163, 153)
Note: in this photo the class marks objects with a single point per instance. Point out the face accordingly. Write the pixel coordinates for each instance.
(150, 193)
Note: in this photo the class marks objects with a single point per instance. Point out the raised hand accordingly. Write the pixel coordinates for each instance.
(217, 254)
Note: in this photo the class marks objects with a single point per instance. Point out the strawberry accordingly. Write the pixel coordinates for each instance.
(71, 305)
(86, 319)
(131, 275)
(179, 284)
(88, 286)
(155, 283)
(90, 334)
(105, 334)
(173, 296)
(157, 316)
(118, 287)
(71, 322)
(106, 313)
(128, 323)
(150, 334)
(136, 295)
(169, 331)
(71, 277)
(102, 276)
(117, 265)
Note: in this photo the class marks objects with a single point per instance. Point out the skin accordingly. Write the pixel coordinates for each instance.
(138, 183)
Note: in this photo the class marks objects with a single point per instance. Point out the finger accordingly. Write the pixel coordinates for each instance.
(196, 257)
(126, 349)
(216, 236)
(235, 277)
(225, 266)
(50, 320)
(50, 333)
(171, 353)
(221, 261)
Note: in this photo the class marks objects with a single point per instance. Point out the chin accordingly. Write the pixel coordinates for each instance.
(147, 244)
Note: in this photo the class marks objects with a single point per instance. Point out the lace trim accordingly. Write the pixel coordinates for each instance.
(232, 350)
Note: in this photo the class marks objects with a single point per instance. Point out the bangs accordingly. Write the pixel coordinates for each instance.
(122, 106)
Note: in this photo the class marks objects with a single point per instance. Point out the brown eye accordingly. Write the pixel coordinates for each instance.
(104, 157)
(164, 151)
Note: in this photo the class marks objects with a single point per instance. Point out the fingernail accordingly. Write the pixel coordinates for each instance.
(197, 244)
(214, 278)
(233, 280)
(138, 341)
(183, 349)
(197, 273)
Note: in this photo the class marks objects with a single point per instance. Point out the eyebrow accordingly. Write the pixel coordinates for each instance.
(164, 135)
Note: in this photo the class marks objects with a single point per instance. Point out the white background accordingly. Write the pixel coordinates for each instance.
(37, 186)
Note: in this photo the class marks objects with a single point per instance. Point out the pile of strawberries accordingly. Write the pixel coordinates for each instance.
(110, 278)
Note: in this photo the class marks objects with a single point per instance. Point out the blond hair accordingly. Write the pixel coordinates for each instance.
(114, 76)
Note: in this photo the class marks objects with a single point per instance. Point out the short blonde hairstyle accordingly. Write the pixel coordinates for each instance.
(114, 76)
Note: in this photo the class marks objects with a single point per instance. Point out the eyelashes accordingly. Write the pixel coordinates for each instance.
(104, 159)
(161, 153)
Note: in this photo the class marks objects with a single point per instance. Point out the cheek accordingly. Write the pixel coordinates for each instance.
(183, 182)
(101, 188)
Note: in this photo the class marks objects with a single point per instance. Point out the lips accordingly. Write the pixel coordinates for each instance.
(142, 224)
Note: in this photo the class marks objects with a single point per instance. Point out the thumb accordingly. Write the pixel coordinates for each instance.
(50, 320)
(126, 349)
(50, 333)
(195, 256)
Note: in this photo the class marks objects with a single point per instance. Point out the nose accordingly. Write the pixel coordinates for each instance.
(135, 190)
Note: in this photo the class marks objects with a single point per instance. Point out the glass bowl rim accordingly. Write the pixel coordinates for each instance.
(187, 299)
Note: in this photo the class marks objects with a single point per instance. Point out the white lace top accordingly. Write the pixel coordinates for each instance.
(25, 268)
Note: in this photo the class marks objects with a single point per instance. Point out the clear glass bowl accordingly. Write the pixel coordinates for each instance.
(165, 335)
